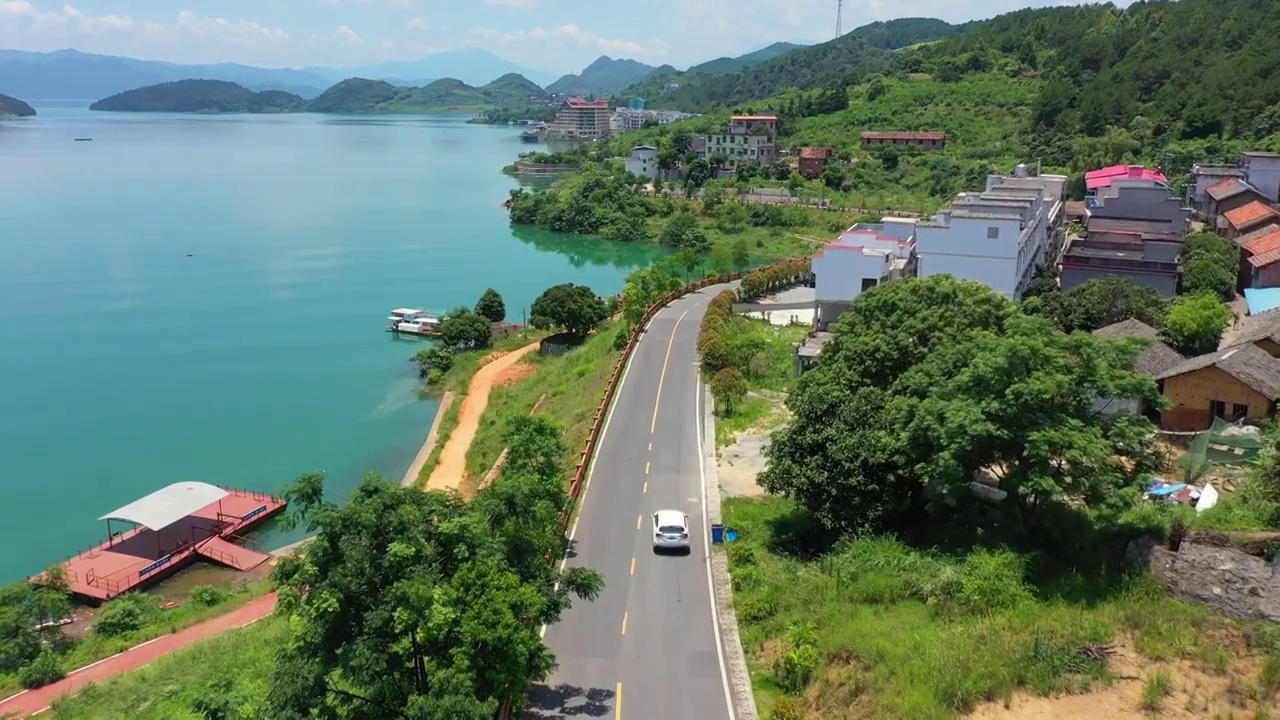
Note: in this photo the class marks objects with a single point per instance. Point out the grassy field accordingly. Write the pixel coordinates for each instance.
(572, 384)
(874, 629)
(773, 376)
(224, 677)
(93, 647)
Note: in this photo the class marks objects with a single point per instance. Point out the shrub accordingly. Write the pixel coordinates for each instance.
(208, 595)
(45, 669)
(127, 614)
(786, 708)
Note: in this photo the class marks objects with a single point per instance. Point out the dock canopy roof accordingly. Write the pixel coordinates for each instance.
(168, 505)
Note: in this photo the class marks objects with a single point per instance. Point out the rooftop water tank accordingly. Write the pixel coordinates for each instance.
(1020, 170)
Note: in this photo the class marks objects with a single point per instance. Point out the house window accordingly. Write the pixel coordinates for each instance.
(868, 283)
(1239, 411)
(993, 233)
(1218, 409)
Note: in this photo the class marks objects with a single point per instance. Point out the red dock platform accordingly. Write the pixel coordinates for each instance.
(171, 527)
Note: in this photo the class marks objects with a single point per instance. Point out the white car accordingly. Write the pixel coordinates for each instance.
(670, 531)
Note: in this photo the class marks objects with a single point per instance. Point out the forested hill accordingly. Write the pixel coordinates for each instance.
(1181, 76)
(844, 60)
(10, 106)
(200, 96)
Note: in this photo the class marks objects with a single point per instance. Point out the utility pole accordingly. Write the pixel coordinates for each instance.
(839, 16)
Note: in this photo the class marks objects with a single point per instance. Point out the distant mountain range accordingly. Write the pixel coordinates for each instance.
(73, 75)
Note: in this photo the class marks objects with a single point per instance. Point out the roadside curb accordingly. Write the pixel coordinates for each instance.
(744, 701)
(429, 445)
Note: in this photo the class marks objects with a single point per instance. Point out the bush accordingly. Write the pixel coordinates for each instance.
(795, 668)
(786, 708)
(127, 614)
(208, 595)
(45, 669)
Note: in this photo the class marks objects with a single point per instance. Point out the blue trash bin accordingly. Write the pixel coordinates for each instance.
(717, 533)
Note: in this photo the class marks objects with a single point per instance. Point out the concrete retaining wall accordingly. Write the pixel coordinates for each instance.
(1225, 579)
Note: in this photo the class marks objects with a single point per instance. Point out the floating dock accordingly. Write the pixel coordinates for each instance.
(170, 528)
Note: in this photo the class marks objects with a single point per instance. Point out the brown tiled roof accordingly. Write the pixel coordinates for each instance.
(582, 103)
(1264, 259)
(1256, 233)
(1224, 189)
(1250, 215)
(817, 153)
(902, 135)
(1155, 359)
(1262, 244)
(1249, 364)
(1263, 326)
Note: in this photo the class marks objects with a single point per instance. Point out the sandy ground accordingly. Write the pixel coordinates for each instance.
(741, 461)
(1193, 693)
(452, 468)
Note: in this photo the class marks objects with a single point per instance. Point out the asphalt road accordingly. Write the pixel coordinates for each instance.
(649, 647)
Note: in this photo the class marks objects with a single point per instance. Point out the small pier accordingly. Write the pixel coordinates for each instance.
(170, 528)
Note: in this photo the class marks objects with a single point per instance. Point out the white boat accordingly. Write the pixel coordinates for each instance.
(413, 321)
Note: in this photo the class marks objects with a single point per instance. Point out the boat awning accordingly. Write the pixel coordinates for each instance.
(405, 311)
(168, 505)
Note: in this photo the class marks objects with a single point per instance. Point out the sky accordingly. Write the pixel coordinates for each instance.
(556, 36)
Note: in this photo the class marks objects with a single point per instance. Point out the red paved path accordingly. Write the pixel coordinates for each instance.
(34, 701)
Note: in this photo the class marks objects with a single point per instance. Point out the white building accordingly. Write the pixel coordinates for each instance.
(626, 118)
(863, 257)
(643, 161)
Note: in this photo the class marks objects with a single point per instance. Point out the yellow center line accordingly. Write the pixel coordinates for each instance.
(638, 519)
(624, 623)
(633, 566)
(663, 375)
(646, 488)
(617, 703)
(646, 467)
(650, 447)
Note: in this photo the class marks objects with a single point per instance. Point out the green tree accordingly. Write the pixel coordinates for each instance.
(491, 306)
(644, 287)
(683, 231)
(574, 308)
(462, 329)
(437, 359)
(687, 259)
(741, 254)
(729, 388)
(1195, 323)
(1097, 303)
(1210, 263)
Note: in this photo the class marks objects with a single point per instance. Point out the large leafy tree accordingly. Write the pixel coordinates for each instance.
(462, 329)
(576, 309)
(421, 606)
(1098, 303)
(1195, 323)
(491, 307)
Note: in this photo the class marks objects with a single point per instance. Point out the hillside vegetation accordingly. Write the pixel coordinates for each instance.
(605, 75)
(200, 96)
(729, 65)
(13, 107)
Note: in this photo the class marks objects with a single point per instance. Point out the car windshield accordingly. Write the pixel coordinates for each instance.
(670, 529)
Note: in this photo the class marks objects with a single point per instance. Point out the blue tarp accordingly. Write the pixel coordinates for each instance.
(1160, 489)
(1261, 300)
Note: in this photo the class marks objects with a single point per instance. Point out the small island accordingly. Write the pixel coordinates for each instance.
(360, 96)
(13, 107)
(200, 96)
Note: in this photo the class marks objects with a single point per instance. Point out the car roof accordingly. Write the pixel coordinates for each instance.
(670, 517)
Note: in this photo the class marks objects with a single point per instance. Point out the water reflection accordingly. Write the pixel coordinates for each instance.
(582, 251)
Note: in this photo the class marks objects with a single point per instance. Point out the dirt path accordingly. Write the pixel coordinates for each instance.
(34, 701)
(452, 467)
(415, 468)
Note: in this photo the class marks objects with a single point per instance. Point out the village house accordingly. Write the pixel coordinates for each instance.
(1154, 360)
(643, 161)
(1259, 259)
(1096, 180)
(1247, 218)
(813, 161)
(748, 138)
(862, 257)
(580, 119)
(1240, 382)
(928, 140)
(1224, 196)
(1262, 169)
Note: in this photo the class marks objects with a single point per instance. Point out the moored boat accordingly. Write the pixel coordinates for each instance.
(412, 321)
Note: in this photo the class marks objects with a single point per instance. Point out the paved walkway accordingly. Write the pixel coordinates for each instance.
(452, 467)
(31, 702)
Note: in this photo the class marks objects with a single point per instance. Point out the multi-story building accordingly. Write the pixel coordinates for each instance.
(998, 238)
(928, 140)
(749, 137)
(580, 119)
(863, 257)
(1053, 188)
(1096, 180)
(813, 161)
(629, 118)
(643, 161)
(1262, 169)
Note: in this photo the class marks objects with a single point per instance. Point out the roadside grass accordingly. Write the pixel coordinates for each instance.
(573, 384)
(458, 380)
(226, 676)
(770, 375)
(917, 634)
(93, 647)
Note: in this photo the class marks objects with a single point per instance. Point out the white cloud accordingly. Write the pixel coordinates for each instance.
(417, 24)
(574, 35)
(238, 33)
(512, 3)
(402, 4)
(388, 45)
(347, 36)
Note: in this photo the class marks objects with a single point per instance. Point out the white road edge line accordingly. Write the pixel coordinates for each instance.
(706, 539)
(591, 468)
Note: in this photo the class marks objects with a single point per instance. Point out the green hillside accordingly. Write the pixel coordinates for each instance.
(513, 89)
(358, 95)
(13, 107)
(604, 76)
(728, 65)
(844, 60)
(200, 96)
(354, 95)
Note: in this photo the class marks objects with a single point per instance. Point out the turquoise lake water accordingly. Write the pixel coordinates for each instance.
(126, 365)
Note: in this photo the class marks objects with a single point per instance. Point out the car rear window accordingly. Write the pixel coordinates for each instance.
(671, 529)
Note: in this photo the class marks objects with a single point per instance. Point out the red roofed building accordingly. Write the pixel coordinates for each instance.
(1103, 177)
(1260, 259)
(580, 119)
(813, 161)
(1248, 217)
(926, 140)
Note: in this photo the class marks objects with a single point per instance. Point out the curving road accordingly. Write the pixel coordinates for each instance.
(650, 646)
